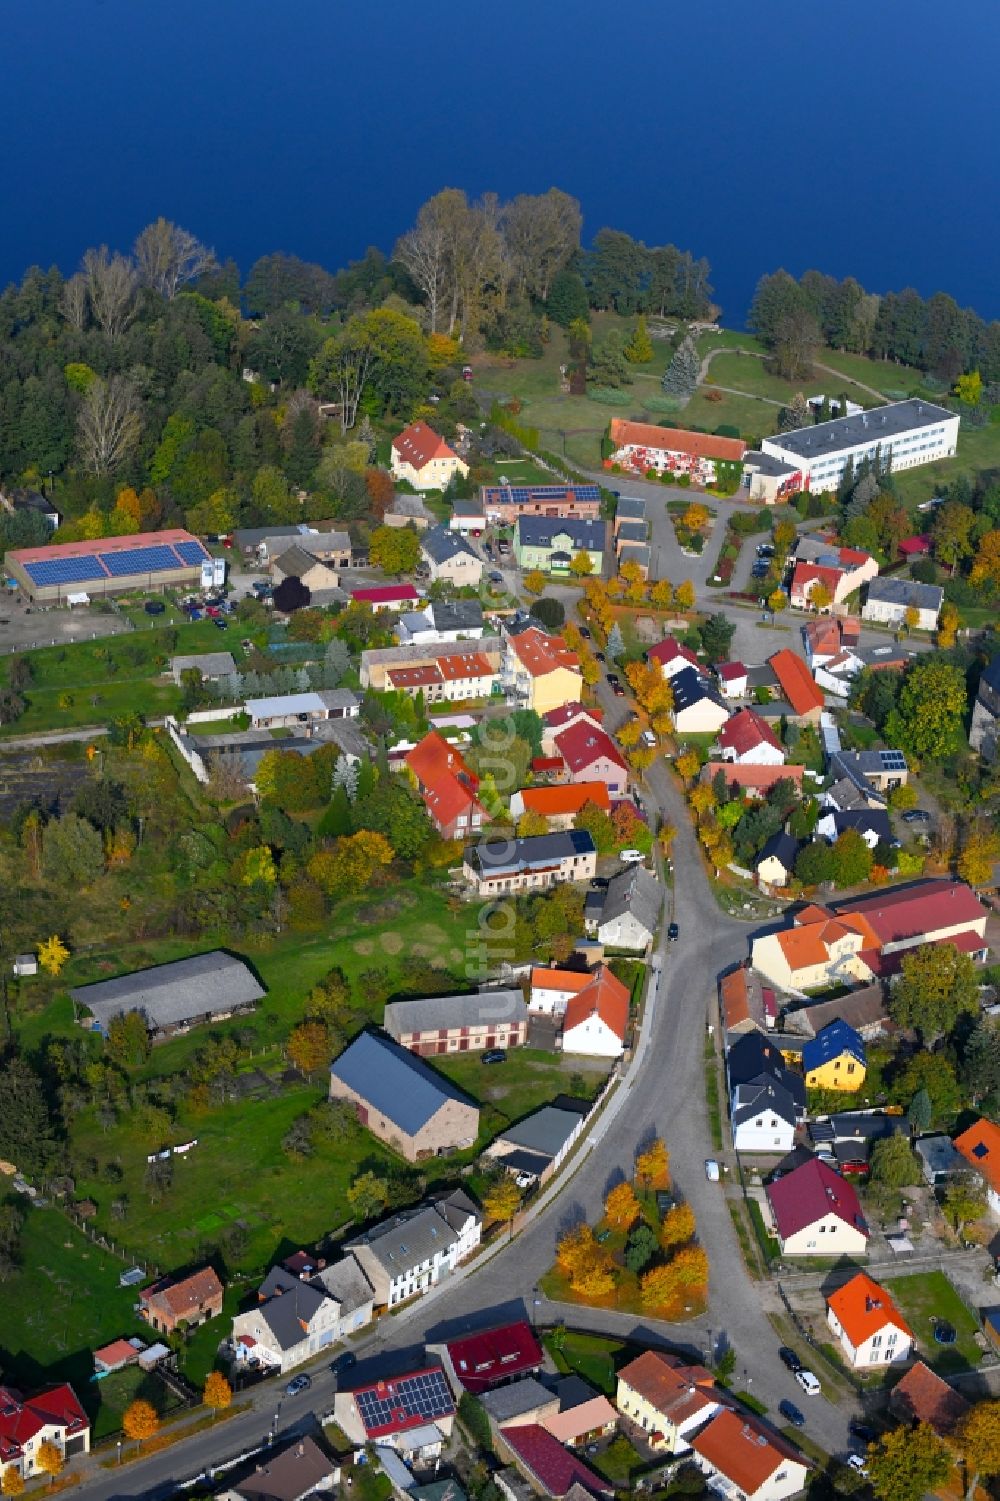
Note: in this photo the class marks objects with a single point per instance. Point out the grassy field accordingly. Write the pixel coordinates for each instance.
(84, 682)
(528, 1079)
(591, 1356)
(927, 1297)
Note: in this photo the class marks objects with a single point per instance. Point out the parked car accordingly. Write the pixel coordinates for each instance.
(154, 607)
(791, 1413)
(760, 570)
(221, 625)
(298, 1384)
(600, 657)
(916, 815)
(711, 1170)
(861, 1431)
(856, 1462)
(808, 1381)
(495, 578)
(631, 857)
(648, 738)
(585, 632)
(790, 1359)
(343, 1363)
(673, 933)
(525, 1180)
(618, 690)
(494, 1055)
(765, 550)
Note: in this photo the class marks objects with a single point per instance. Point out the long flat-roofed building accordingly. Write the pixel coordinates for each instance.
(109, 565)
(902, 435)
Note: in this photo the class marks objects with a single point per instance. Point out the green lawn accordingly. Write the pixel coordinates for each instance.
(528, 1080)
(83, 682)
(588, 1355)
(926, 1297)
(121, 1388)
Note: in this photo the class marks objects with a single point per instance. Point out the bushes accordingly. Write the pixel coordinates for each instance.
(608, 396)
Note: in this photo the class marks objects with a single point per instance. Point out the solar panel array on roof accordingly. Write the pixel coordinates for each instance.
(64, 570)
(545, 492)
(139, 560)
(190, 552)
(418, 1398)
(893, 760)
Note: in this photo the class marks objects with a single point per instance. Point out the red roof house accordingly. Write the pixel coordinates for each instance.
(916, 547)
(797, 684)
(748, 739)
(922, 1397)
(926, 912)
(447, 786)
(753, 1458)
(817, 1213)
(670, 656)
(386, 596)
(755, 781)
(480, 1362)
(385, 1409)
(643, 445)
(546, 1465)
(422, 457)
(590, 755)
(27, 1422)
(596, 1017)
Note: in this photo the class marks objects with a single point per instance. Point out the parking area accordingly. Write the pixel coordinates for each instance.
(23, 626)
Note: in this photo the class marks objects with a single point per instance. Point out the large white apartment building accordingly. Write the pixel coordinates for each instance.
(901, 435)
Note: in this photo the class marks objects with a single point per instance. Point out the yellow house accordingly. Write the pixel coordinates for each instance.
(820, 951)
(835, 1059)
(540, 672)
(665, 1399)
(424, 459)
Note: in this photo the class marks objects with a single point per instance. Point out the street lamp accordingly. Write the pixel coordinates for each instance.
(119, 1443)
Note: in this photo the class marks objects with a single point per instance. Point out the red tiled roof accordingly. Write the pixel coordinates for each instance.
(570, 797)
(920, 910)
(805, 574)
(187, 1295)
(675, 440)
(753, 778)
(734, 999)
(741, 1448)
(884, 965)
(731, 672)
(864, 1308)
(912, 547)
(809, 1193)
(669, 649)
(117, 1353)
(386, 594)
(925, 1398)
(661, 1379)
(605, 997)
(554, 1467)
(980, 1146)
(540, 654)
(414, 677)
(824, 634)
(556, 718)
(447, 786)
(745, 730)
(418, 444)
(560, 979)
(22, 1418)
(583, 744)
(469, 664)
(483, 1360)
(796, 681)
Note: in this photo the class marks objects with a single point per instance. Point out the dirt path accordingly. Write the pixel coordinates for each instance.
(829, 370)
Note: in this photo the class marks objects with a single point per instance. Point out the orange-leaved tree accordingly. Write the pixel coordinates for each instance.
(217, 1393)
(687, 764)
(678, 1227)
(657, 1288)
(140, 1420)
(309, 1046)
(49, 1458)
(574, 1248)
(11, 1481)
(621, 1207)
(684, 595)
(652, 1164)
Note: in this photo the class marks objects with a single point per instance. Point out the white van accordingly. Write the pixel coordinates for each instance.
(631, 857)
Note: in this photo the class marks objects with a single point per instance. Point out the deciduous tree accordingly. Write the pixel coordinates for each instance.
(217, 1393)
(978, 1440)
(980, 853)
(111, 289)
(109, 424)
(894, 1163)
(52, 954)
(684, 595)
(652, 1164)
(502, 1201)
(928, 716)
(936, 985)
(395, 549)
(907, 1463)
(309, 1046)
(368, 1196)
(11, 1481)
(986, 564)
(140, 1420)
(49, 1459)
(168, 257)
(678, 1227)
(581, 564)
(621, 1207)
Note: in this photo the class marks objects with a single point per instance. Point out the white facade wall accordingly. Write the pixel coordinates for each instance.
(906, 450)
(702, 718)
(887, 1346)
(624, 932)
(885, 612)
(830, 1236)
(593, 1038)
(762, 754)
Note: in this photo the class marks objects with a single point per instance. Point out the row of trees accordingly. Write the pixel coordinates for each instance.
(933, 334)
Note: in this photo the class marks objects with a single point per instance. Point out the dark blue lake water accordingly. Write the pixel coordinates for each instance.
(852, 135)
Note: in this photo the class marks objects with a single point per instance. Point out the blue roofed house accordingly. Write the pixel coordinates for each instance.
(402, 1100)
(835, 1059)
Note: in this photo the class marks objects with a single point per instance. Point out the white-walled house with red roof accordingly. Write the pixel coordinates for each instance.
(747, 739)
(53, 1416)
(424, 460)
(643, 446)
(595, 1022)
(671, 657)
(732, 678)
(871, 1329)
(816, 1212)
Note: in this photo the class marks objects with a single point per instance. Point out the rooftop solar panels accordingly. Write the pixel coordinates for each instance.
(64, 570)
(139, 560)
(406, 1402)
(528, 493)
(190, 552)
(893, 760)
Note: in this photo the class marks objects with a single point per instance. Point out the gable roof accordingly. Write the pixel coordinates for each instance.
(671, 650)
(810, 1193)
(295, 561)
(906, 592)
(441, 544)
(569, 797)
(582, 744)
(21, 1417)
(745, 730)
(741, 1448)
(554, 1467)
(833, 1042)
(863, 1308)
(923, 1397)
(503, 1403)
(482, 1360)
(447, 785)
(395, 1082)
(605, 997)
(540, 654)
(536, 852)
(186, 1294)
(557, 719)
(760, 1095)
(294, 1472)
(474, 1009)
(675, 1390)
(574, 1421)
(675, 440)
(782, 847)
(402, 1403)
(560, 979)
(416, 1234)
(290, 1309)
(546, 1130)
(691, 686)
(172, 993)
(730, 672)
(752, 777)
(583, 535)
(796, 681)
(910, 911)
(637, 892)
(418, 444)
(980, 1146)
(383, 594)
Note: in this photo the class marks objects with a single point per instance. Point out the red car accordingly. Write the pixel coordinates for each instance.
(213, 611)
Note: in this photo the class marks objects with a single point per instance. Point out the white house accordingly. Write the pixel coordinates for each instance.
(552, 989)
(413, 1251)
(888, 600)
(699, 708)
(763, 1117)
(900, 435)
(595, 1022)
(296, 1317)
(870, 1327)
(732, 678)
(816, 1212)
(745, 1461)
(748, 740)
(449, 556)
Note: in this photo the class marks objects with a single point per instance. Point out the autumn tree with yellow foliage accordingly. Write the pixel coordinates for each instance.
(217, 1393)
(652, 1165)
(621, 1207)
(52, 954)
(678, 1227)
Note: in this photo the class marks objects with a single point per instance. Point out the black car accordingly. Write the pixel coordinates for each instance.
(344, 1363)
(916, 815)
(673, 933)
(298, 1384)
(599, 656)
(154, 607)
(494, 1055)
(861, 1432)
(791, 1413)
(765, 550)
(618, 690)
(789, 1358)
(760, 570)
(221, 625)
(612, 678)
(585, 633)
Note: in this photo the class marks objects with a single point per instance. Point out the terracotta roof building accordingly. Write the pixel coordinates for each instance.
(747, 739)
(595, 1022)
(753, 1459)
(448, 787)
(666, 1399)
(980, 1146)
(922, 1397)
(753, 779)
(54, 1416)
(642, 446)
(539, 671)
(190, 1300)
(424, 459)
(589, 754)
(560, 805)
(870, 1327)
(797, 684)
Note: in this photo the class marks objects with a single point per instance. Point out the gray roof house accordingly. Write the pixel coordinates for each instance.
(538, 1144)
(211, 664)
(525, 1401)
(401, 1099)
(171, 997)
(983, 732)
(448, 555)
(630, 508)
(411, 1252)
(631, 910)
(346, 1282)
(425, 1020)
(289, 1475)
(888, 599)
(939, 1158)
